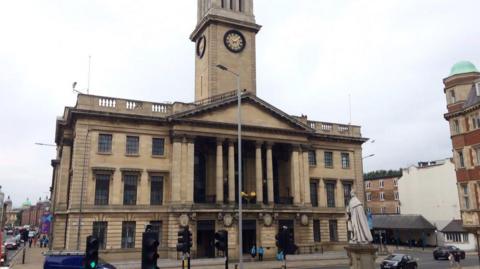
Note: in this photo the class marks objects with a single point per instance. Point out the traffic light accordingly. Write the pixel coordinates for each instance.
(91, 253)
(184, 240)
(149, 250)
(280, 240)
(221, 240)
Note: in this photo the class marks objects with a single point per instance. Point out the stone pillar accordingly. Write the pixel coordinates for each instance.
(269, 174)
(176, 167)
(258, 172)
(183, 180)
(231, 172)
(361, 256)
(190, 166)
(306, 178)
(294, 177)
(322, 194)
(219, 172)
(339, 194)
(301, 185)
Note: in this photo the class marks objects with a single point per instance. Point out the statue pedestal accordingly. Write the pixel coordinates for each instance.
(361, 256)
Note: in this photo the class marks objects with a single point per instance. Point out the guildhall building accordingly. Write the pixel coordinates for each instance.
(123, 163)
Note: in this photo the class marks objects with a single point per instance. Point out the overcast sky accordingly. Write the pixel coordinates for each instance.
(390, 56)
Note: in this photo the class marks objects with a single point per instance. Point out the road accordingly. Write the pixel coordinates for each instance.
(425, 260)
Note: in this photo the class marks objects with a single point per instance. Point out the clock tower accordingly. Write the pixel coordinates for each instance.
(225, 34)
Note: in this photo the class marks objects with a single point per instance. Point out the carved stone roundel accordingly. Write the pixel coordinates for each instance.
(304, 220)
(184, 220)
(267, 220)
(227, 220)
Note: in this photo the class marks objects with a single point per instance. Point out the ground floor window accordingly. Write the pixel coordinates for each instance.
(316, 230)
(332, 227)
(99, 230)
(157, 227)
(128, 234)
(457, 237)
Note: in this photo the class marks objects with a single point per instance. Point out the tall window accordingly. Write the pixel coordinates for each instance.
(456, 127)
(347, 188)
(330, 189)
(105, 143)
(461, 162)
(156, 190)
(312, 158)
(240, 5)
(395, 182)
(128, 234)
(102, 187)
(314, 193)
(130, 189)
(397, 197)
(99, 230)
(382, 196)
(158, 146)
(231, 4)
(466, 199)
(157, 227)
(398, 210)
(381, 183)
(369, 196)
(452, 96)
(328, 157)
(345, 160)
(132, 145)
(382, 210)
(332, 227)
(368, 185)
(316, 230)
(477, 153)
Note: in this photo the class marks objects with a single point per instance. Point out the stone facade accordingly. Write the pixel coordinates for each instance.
(122, 164)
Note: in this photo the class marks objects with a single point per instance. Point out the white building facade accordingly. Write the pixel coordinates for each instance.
(430, 189)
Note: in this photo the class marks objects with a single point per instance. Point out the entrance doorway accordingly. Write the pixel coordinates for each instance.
(290, 227)
(249, 236)
(206, 239)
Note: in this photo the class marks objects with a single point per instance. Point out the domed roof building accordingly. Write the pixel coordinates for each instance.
(26, 204)
(463, 67)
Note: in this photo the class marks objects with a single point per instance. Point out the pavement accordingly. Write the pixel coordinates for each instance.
(33, 258)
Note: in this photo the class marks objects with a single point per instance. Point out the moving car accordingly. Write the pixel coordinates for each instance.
(69, 259)
(444, 252)
(11, 244)
(399, 261)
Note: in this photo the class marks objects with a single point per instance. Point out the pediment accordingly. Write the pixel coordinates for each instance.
(254, 113)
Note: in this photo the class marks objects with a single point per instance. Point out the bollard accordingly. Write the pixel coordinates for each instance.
(23, 255)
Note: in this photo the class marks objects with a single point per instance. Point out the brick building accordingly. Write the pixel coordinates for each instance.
(122, 164)
(462, 92)
(381, 193)
(32, 214)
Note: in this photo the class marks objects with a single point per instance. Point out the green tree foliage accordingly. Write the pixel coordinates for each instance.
(382, 173)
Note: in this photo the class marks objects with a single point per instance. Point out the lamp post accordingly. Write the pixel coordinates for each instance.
(239, 134)
(368, 156)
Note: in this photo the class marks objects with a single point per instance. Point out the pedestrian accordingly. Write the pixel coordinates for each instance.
(451, 259)
(253, 252)
(260, 253)
(35, 239)
(45, 242)
(456, 256)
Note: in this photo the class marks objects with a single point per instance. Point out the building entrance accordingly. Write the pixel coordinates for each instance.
(205, 239)
(249, 236)
(290, 227)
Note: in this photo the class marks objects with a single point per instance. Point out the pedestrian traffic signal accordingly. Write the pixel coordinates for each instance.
(184, 240)
(149, 250)
(91, 253)
(221, 240)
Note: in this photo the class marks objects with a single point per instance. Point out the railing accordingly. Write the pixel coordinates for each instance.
(216, 98)
(119, 105)
(335, 129)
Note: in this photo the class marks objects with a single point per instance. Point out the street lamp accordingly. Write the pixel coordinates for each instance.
(239, 133)
(368, 156)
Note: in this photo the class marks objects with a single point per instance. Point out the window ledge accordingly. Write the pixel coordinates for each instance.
(104, 153)
(329, 167)
(132, 155)
(159, 156)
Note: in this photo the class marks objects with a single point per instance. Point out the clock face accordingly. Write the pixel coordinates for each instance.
(234, 41)
(201, 45)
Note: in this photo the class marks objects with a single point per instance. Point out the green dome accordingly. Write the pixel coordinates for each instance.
(27, 203)
(462, 67)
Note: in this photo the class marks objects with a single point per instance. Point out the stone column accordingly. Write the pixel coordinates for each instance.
(295, 180)
(306, 178)
(322, 194)
(339, 194)
(183, 180)
(219, 171)
(258, 172)
(190, 164)
(231, 172)
(176, 167)
(269, 173)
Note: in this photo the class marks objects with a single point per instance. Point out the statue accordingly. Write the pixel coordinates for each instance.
(357, 222)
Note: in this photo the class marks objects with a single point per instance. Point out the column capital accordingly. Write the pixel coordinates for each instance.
(296, 147)
(258, 144)
(219, 140)
(269, 144)
(306, 147)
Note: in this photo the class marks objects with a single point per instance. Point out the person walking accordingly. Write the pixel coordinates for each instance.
(253, 252)
(456, 257)
(260, 253)
(451, 259)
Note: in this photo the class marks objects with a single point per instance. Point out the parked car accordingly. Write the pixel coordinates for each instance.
(444, 252)
(71, 260)
(11, 244)
(399, 261)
